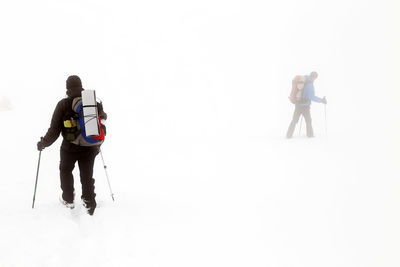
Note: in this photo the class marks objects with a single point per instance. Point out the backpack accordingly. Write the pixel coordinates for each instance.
(298, 84)
(84, 127)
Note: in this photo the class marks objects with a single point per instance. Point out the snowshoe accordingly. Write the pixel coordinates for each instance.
(89, 205)
(69, 205)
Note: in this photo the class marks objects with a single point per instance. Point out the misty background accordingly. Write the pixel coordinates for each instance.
(197, 99)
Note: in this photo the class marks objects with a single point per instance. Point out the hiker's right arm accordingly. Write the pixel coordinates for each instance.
(55, 126)
(103, 117)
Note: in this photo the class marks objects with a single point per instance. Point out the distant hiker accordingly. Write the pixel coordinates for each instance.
(302, 94)
(69, 123)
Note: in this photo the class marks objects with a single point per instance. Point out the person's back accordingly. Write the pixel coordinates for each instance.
(309, 91)
(71, 153)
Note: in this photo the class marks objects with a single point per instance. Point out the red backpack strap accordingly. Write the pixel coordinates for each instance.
(294, 87)
(101, 136)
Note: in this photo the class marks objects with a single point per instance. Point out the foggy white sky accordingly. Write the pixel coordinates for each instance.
(162, 43)
(223, 49)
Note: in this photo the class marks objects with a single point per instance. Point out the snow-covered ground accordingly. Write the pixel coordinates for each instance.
(196, 95)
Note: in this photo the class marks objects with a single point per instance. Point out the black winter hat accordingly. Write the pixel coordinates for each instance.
(74, 81)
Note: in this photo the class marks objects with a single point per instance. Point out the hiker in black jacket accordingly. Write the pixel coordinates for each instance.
(71, 153)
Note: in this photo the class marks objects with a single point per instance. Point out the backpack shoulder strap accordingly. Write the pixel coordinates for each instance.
(75, 104)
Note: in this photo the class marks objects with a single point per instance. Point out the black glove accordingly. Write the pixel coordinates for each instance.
(324, 100)
(40, 145)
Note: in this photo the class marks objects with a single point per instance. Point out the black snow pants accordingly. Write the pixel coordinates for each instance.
(85, 156)
(298, 111)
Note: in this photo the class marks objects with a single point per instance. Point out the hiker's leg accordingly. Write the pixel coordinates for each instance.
(307, 118)
(295, 119)
(86, 163)
(67, 164)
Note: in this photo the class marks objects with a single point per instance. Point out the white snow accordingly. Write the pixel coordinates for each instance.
(196, 94)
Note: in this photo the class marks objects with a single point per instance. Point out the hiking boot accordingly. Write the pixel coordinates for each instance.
(69, 205)
(90, 205)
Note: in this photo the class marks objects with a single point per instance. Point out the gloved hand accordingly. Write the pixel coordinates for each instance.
(324, 100)
(40, 145)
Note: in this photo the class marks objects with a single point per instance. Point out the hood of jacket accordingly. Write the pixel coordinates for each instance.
(74, 92)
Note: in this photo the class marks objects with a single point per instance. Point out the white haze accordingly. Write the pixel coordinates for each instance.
(196, 93)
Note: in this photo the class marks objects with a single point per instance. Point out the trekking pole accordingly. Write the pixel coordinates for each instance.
(301, 122)
(326, 123)
(108, 180)
(37, 176)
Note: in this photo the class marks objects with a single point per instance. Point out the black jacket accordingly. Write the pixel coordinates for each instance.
(62, 112)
